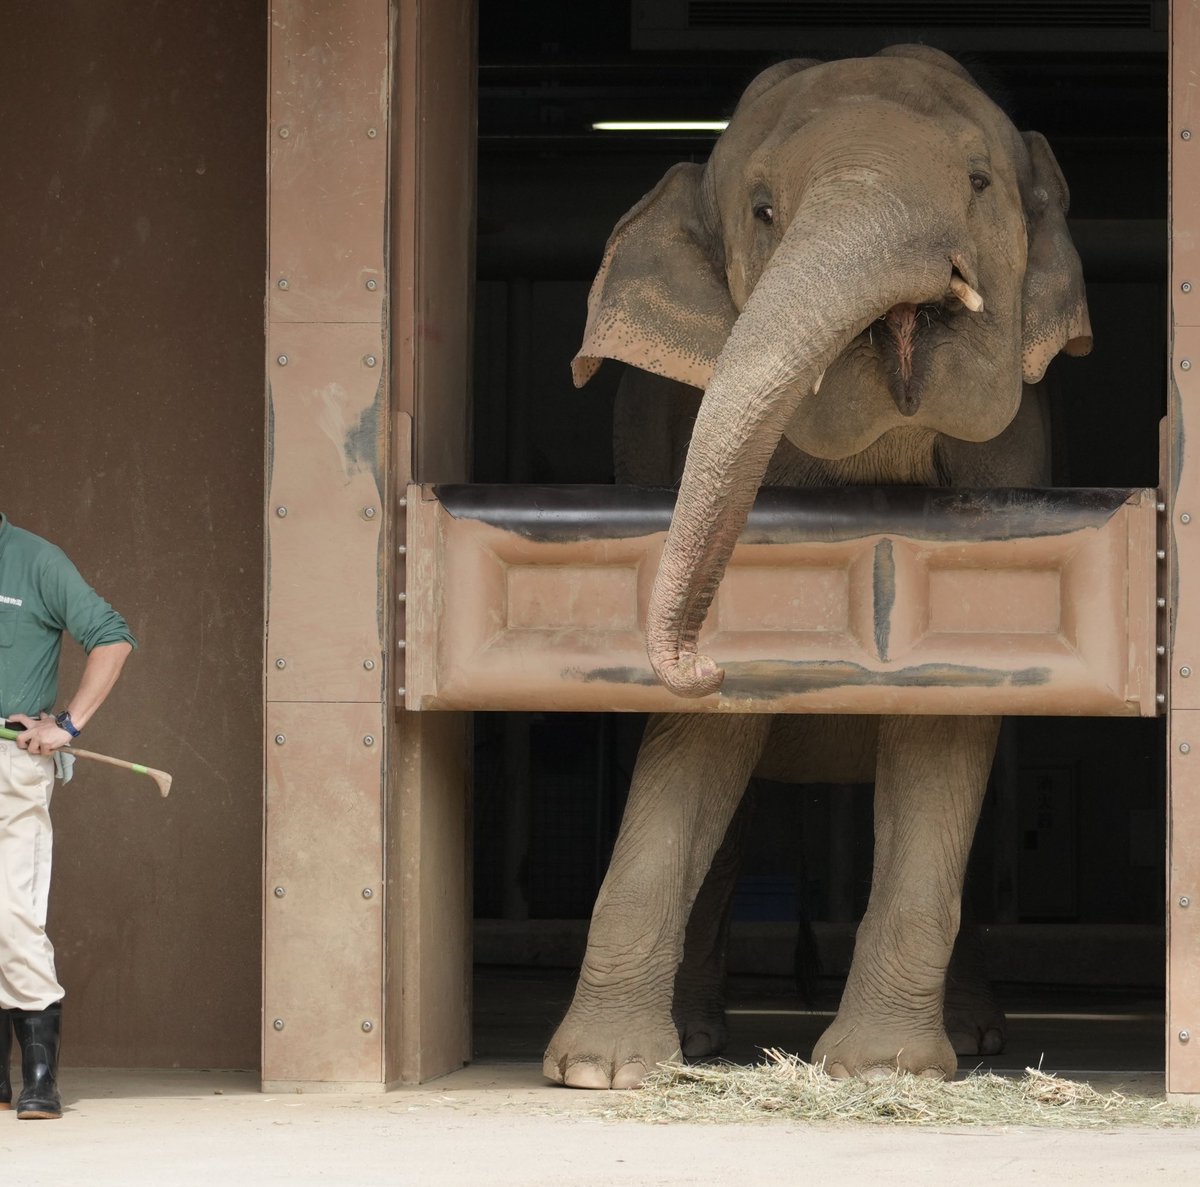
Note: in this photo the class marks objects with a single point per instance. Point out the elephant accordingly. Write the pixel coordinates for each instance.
(864, 284)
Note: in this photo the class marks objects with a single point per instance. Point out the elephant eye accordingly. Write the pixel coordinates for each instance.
(980, 182)
(764, 213)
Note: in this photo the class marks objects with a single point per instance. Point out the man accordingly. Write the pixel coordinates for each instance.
(41, 596)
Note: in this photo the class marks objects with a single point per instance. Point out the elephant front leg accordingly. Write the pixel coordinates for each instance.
(699, 998)
(931, 777)
(690, 775)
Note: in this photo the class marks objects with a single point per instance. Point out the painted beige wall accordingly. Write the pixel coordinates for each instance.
(131, 337)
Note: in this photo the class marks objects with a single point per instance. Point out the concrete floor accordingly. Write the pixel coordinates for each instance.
(497, 1122)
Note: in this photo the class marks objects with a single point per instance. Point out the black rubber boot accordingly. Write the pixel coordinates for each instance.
(38, 1035)
(5, 1048)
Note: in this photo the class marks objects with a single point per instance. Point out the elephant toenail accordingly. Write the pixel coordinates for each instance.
(630, 1075)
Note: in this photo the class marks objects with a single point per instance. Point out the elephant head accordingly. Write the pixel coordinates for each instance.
(871, 248)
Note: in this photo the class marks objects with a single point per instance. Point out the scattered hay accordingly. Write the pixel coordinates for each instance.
(786, 1087)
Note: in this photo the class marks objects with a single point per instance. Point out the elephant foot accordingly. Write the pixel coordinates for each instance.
(592, 1050)
(874, 1049)
(700, 1022)
(975, 1023)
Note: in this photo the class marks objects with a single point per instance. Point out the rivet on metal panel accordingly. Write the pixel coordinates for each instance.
(369, 664)
(1184, 1035)
(1161, 554)
(1161, 602)
(283, 282)
(1185, 671)
(372, 285)
(403, 501)
(280, 739)
(402, 596)
(368, 892)
(284, 133)
(1186, 287)
(1186, 134)
(369, 740)
(1185, 518)
(1185, 748)
(282, 360)
(401, 691)
(1185, 364)
(1161, 649)
(1161, 697)
(401, 644)
(402, 549)
(1184, 901)
(281, 663)
(278, 1024)
(372, 133)
(281, 512)
(1160, 507)
(280, 892)
(368, 513)
(370, 360)
(368, 1027)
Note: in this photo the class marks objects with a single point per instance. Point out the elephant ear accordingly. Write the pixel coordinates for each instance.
(1055, 314)
(660, 301)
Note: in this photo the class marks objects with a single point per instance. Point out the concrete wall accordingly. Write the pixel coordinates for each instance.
(131, 334)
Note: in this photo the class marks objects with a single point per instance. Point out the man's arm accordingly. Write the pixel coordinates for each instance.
(100, 672)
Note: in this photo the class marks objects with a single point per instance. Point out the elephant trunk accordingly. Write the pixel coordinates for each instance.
(837, 269)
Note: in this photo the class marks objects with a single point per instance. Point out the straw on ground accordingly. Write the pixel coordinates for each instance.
(785, 1087)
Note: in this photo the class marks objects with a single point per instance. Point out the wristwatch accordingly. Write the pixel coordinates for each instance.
(63, 721)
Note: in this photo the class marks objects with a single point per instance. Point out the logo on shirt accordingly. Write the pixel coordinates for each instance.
(11, 601)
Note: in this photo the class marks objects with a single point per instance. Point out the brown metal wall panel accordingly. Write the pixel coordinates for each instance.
(1183, 907)
(133, 246)
(1053, 623)
(1183, 517)
(328, 160)
(324, 622)
(429, 889)
(433, 234)
(323, 883)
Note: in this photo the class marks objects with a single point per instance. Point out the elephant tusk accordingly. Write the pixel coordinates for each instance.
(966, 294)
(817, 385)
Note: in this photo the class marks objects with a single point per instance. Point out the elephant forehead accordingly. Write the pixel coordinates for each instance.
(870, 86)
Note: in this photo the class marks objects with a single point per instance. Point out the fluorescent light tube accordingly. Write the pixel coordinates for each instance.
(660, 126)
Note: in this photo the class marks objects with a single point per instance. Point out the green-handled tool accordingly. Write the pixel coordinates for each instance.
(160, 777)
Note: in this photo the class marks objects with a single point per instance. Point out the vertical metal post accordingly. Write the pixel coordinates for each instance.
(427, 812)
(326, 461)
(1182, 511)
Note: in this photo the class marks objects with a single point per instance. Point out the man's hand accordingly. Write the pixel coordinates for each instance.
(41, 735)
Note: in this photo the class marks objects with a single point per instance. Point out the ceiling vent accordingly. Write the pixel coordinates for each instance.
(828, 28)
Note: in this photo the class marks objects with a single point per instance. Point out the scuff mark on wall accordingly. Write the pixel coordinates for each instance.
(883, 589)
(363, 445)
(767, 679)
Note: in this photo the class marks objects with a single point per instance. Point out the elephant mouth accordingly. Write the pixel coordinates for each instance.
(903, 340)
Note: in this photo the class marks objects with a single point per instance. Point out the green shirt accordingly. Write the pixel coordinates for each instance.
(42, 595)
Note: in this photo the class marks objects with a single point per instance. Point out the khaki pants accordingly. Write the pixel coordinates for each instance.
(27, 977)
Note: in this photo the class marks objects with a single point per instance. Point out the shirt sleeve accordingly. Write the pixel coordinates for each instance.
(73, 606)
